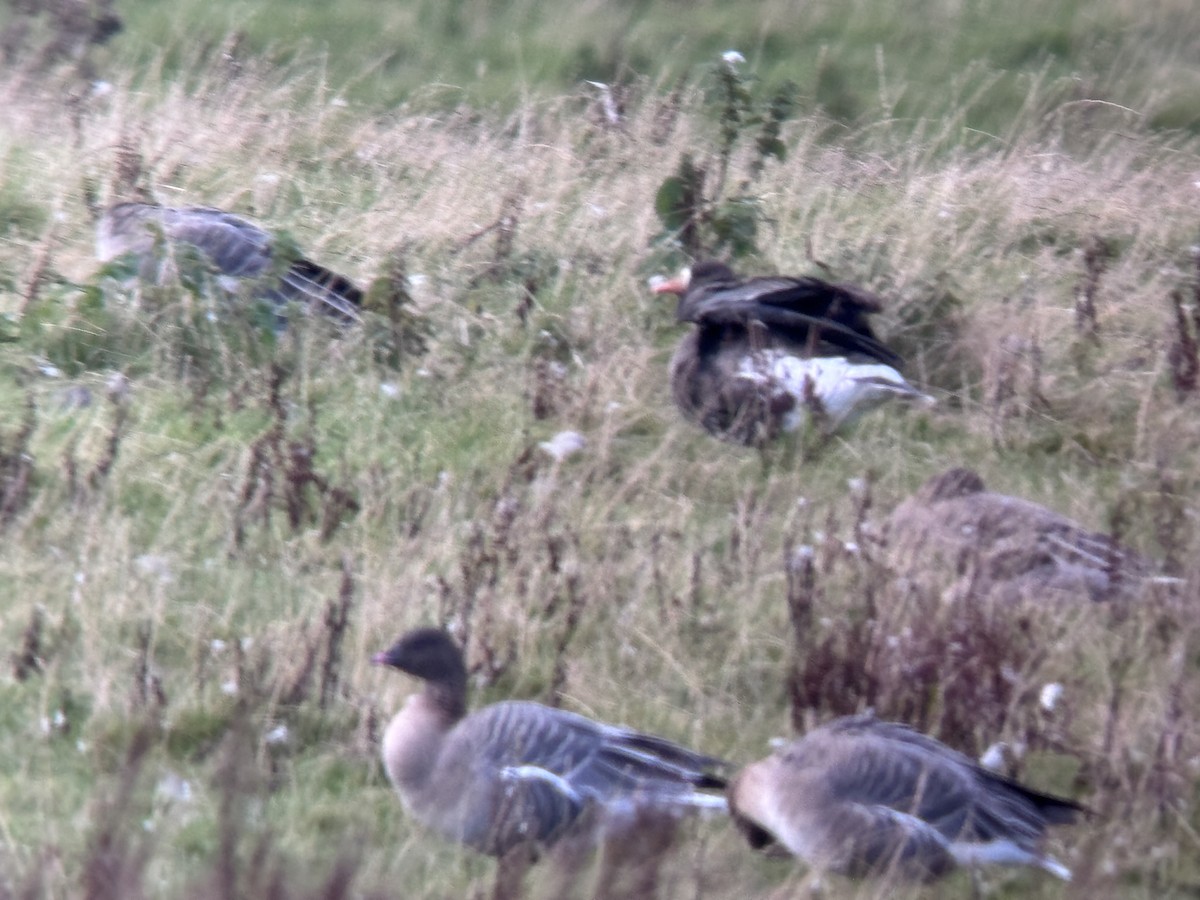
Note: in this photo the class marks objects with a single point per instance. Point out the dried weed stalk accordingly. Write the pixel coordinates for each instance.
(1168, 777)
(1096, 257)
(666, 114)
(1012, 382)
(670, 606)
(492, 546)
(957, 670)
(632, 858)
(573, 604)
(80, 491)
(517, 567)
(39, 271)
(389, 294)
(801, 594)
(249, 865)
(337, 617)
(130, 176)
(16, 467)
(147, 683)
(504, 227)
(29, 660)
(1171, 520)
(506, 231)
(1183, 351)
(299, 683)
(281, 473)
(548, 390)
(119, 853)
(116, 865)
(100, 471)
(326, 646)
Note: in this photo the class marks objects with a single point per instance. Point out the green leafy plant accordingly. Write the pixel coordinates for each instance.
(705, 217)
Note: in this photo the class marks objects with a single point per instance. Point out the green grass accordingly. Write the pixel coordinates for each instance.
(856, 61)
(175, 594)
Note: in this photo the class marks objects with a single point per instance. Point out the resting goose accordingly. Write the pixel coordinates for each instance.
(954, 533)
(518, 773)
(769, 353)
(863, 797)
(235, 247)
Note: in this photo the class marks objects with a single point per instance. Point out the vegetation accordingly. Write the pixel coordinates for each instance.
(210, 527)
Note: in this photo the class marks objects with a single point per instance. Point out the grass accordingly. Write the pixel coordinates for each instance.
(179, 546)
(858, 62)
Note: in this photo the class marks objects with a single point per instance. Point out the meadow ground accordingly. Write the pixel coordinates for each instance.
(208, 529)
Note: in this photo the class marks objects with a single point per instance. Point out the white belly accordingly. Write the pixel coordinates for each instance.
(836, 389)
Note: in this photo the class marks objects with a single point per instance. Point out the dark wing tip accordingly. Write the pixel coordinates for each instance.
(711, 782)
(1061, 811)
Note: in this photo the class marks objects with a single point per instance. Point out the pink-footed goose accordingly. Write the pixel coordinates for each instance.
(953, 534)
(769, 354)
(863, 797)
(236, 248)
(518, 774)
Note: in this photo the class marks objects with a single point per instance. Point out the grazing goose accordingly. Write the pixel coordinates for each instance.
(861, 797)
(768, 353)
(518, 773)
(954, 533)
(235, 247)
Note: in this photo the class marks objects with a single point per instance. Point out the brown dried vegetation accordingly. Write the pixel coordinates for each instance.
(259, 514)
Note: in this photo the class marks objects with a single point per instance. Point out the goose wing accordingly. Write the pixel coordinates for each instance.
(893, 767)
(235, 246)
(902, 781)
(800, 310)
(553, 764)
(243, 250)
(1051, 550)
(592, 759)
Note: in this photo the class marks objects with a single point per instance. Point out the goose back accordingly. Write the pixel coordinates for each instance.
(1004, 546)
(235, 247)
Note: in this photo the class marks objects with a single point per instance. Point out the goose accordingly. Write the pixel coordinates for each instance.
(1006, 547)
(235, 247)
(770, 354)
(517, 774)
(863, 797)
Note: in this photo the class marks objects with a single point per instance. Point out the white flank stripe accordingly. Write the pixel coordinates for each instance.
(537, 773)
(1005, 853)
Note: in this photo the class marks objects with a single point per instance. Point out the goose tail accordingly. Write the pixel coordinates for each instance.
(331, 293)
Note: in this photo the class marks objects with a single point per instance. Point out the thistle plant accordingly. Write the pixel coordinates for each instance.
(704, 217)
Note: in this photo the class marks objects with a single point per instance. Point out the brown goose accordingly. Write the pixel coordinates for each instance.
(518, 773)
(995, 545)
(863, 797)
(235, 247)
(769, 353)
